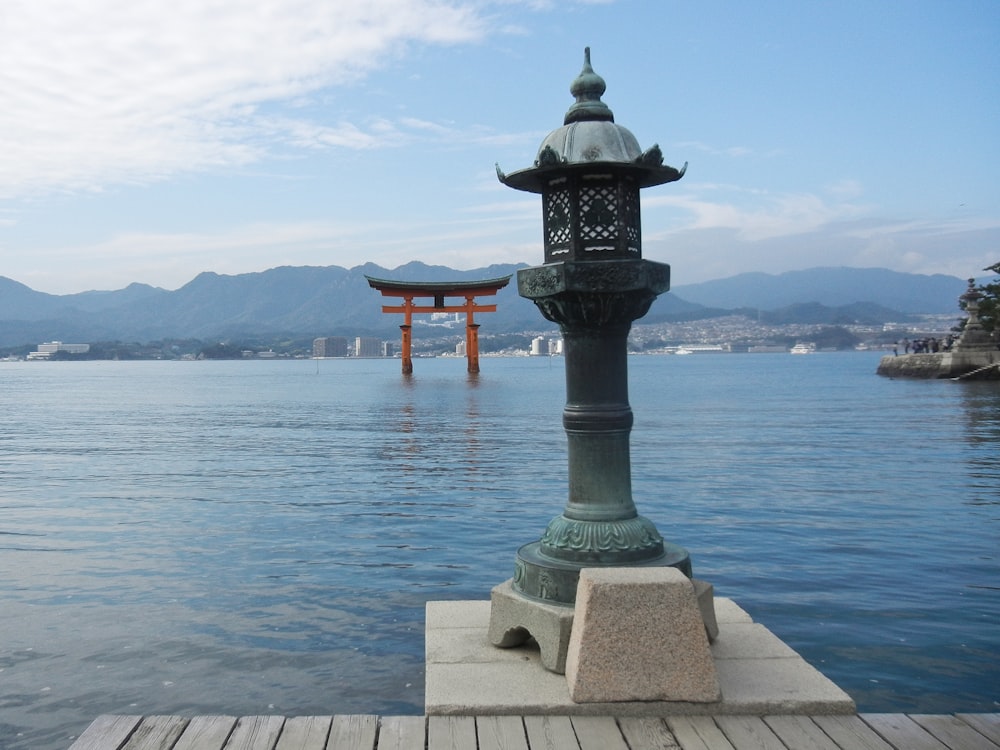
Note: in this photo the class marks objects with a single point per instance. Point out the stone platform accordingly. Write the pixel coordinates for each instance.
(758, 673)
(982, 365)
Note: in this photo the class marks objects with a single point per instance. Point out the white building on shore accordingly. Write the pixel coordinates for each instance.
(545, 347)
(45, 351)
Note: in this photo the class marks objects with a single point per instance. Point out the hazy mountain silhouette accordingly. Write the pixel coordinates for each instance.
(832, 287)
(335, 301)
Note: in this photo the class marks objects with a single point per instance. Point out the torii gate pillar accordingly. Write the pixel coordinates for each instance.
(472, 344)
(405, 349)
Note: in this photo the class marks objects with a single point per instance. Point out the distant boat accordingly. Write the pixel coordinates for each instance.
(801, 348)
(682, 350)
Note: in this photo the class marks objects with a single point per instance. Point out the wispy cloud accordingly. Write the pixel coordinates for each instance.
(755, 214)
(713, 231)
(481, 235)
(954, 248)
(313, 135)
(734, 152)
(112, 91)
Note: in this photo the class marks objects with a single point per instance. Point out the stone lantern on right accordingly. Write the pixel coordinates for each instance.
(594, 284)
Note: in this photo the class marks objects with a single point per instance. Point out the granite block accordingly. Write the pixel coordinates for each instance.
(638, 635)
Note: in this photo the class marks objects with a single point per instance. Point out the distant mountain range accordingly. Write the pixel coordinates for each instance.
(335, 301)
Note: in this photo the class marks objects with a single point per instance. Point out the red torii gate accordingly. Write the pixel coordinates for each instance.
(438, 291)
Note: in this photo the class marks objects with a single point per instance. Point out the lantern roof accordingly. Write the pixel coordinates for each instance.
(589, 137)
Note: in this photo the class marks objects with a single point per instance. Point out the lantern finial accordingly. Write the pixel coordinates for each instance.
(588, 88)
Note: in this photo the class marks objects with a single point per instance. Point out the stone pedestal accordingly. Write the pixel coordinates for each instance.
(638, 635)
(514, 619)
(705, 594)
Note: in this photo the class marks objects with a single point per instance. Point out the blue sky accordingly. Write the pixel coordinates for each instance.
(148, 141)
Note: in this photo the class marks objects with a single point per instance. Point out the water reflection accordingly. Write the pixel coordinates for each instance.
(981, 401)
(268, 542)
(981, 406)
(430, 428)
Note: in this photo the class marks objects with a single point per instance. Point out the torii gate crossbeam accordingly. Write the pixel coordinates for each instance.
(438, 292)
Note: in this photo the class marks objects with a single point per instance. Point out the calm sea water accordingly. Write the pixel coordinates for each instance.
(261, 537)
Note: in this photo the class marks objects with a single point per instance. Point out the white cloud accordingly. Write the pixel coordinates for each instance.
(133, 90)
(482, 235)
(381, 132)
(733, 152)
(304, 134)
(711, 253)
(757, 214)
(714, 231)
(507, 231)
(846, 189)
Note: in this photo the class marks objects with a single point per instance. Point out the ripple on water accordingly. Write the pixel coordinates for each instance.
(260, 537)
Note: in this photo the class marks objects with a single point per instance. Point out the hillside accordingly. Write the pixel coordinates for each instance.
(832, 287)
(334, 301)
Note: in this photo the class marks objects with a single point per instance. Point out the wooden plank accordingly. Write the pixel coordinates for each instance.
(902, 732)
(987, 725)
(359, 732)
(255, 733)
(106, 732)
(451, 733)
(402, 733)
(598, 733)
(206, 733)
(698, 733)
(353, 732)
(800, 732)
(850, 733)
(304, 733)
(646, 733)
(156, 733)
(954, 732)
(501, 733)
(550, 733)
(749, 733)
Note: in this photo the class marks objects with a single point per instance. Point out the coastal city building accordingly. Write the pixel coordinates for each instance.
(367, 347)
(45, 351)
(737, 334)
(545, 347)
(330, 346)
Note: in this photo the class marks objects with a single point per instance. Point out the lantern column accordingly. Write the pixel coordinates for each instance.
(593, 284)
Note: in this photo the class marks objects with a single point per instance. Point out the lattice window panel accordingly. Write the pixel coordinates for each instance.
(599, 213)
(630, 211)
(558, 231)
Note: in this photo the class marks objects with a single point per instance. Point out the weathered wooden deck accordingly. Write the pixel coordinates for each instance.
(366, 732)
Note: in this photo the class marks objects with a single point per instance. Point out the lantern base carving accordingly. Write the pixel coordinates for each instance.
(550, 580)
